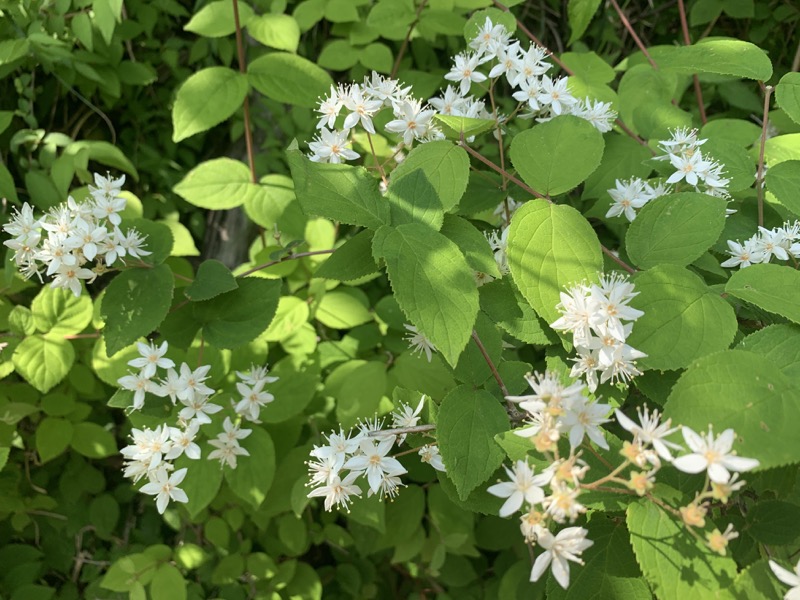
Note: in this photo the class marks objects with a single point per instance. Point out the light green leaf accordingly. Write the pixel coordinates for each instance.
(12, 50)
(236, 317)
(455, 127)
(719, 56)
(217, 184)
(783, 180)
(8, 189)
(43, 362)
(338, 55)
(107, 13)
(779, 344)
(445, 165)
(343, 309)
(758, 582)
(212, 279)
(275, 30)
(53, 436)
(412, 199)
(771, 287)
(666, 553)
(292, 313)
(580, 13)
(433, 284)
(168, 584)
(787, 94)
(540, 154)
(377, 57)
(104, 153)
(205, 99)
(274, 196)
(215, 19)
(503, 304)
(289, 79)
(93, 441)
(252, 477)
(202, 482)
(675, 229)
(550, 247)
(295, 388)
(465, 428)
(183, 242)
(338, 192)
(746, 392)
(134, 305)
(352, 260)
(357, 386)
(59, 312)
(472, 243)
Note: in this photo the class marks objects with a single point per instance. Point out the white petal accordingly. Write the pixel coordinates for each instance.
(561, 571)
(512, 505)
(691, 463)
(540, 566)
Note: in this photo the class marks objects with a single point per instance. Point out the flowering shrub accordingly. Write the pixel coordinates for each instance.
(443, 364)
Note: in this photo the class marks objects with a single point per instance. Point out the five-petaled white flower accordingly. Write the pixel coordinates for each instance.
(375, 462)
(712, 454)
(650, 430)
(165, 488)
(523, 487)
(567, 545)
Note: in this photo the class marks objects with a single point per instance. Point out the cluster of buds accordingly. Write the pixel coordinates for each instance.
(600, 320)
(366, 453)
(781, 242)
(63, 242)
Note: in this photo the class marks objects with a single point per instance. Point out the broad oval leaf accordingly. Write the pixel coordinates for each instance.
(217, 184)
(93, 440)
(783, 180)
(683, 319)
(675, 229)
(43, 362)
(787, 94)
(213, 278)
(719, 56)
(215, 19)
(556, 156)
(289, 78)
(60, 312)
(206, 99)
(445, 165)
(771, 287)
(275, 30)
(465, 428)
(253, 475)
(433, 284)
(550, 247)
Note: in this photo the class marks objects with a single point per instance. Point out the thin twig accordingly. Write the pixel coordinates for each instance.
(404, 46)
(637, 40)
(760, 173)
(378, 164)
(284, 259)
(510, 407)
(248, 133)
(401, 430)
(688, 41)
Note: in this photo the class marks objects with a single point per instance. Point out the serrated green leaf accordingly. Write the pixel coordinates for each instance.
(343, 309)
(205, 99)
(275, 30)
(768, 286)
(412, 199)
(134, 305)
(719, 56)
(93, 441)
(217, 184)
(433, 284)
(236, 317)
(465, 428)
(743, 391)
(774, 522)
(352, 260)
(212, 279)
(168, 584)
(158, 239)
(580, 13)
(549, 248)
(53, 436)
(253, 475)
(779, 344)
(445, 165)
(216, 19)
(683, 319)
(472, 243)
(289, 79)
(297, 383)
(758, 582)
(57, 311)
(202, 482)
(43, 362)
(506, 308)
(675, 229)
(338, 192)
(540, 154)
(787, 94)
(783, 180)
(456, 127)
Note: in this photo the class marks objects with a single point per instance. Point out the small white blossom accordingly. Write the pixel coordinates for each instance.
(559, 550)
(165, 488)
(712, 454)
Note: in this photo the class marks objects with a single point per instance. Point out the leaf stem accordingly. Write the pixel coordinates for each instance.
(404, 46)
(760, 172)
(284, 259)
(401, 430)
(248, 133)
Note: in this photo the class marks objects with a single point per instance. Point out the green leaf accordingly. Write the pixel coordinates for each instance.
(771, 287)
(352, 260)
(289, 79)
(472, 367)
(433, 284)
(787, 94)
(465, 428)
(718, 56)
(252, 477)
(93, 441)
(779, 344)
(168, 584)
(540, 154)
(183, 242)
(275, 30)
(377, 57)
(676, 564)
(7, 188)
(506, 308)
(217, 184)
(215, 19)
(295, 388)
(358, 387)
(274, 197)
(445, 165)
(59, 312)
(774, 522)
(783, 180)
(234, 318)
(580, 13)
(472, 243)
(212, 279)
(21, 321)
(745, 391)
(205, 99)
(338, 55)
(158, 239)
(201, 484)
(107, 13)
(43, 362)
(12, 50)
(104, 153)
(497, 16)
(53, 436)
(549, 248)
(675, 229)
(343, 309)
(412, 199)
(683, 319)
(134, 305)
(456, 126)
(338, 192)
(758, 582)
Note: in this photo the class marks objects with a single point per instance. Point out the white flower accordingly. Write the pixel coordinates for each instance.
(323, 470)
(151, 358)
(584, 418)
(792, 579)
(576, 311)
(499, 245)
(565, 546)
(329, 109)
(771, 243)
(198, 408)
(464, 71)
(418, 341)
(107, 187)
(375, 462)
(106, 207)
(139, 384)
(331, 146)
(523, 486)
(412, 121)
(183, 441)
(339, 446)
(256, 376)
(628, 196)
(252, 400)
(430, 454)
(405, 416)
(388, 91)
(227, 449)
(554, 93)
(489, 39)
(191, 383)
(712, 454)
(450, 103)
(600, 114)
(338, 491)
(166, 488)
(70, 276)
(688, 167)
(132, 243)
(507, 59)
(650, 430)
(530, 64)
(529, 90)
(361, 109)
(563, 503)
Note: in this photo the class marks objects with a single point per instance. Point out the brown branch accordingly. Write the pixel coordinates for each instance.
(637, 40)
(248, 133)
(284, 259)
(688, 41)
(404, 46)
(760, 172)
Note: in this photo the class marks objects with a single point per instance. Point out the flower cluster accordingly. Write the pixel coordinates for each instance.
(781, 242)
(600, 320)
(365, 453)
(630, 195)
(64, 242)
(683, 152)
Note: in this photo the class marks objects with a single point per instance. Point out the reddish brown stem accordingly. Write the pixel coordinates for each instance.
(248, 130)
(284, 259)
(404, 45)
(760, 173)
(688, 41)
(637, 40)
